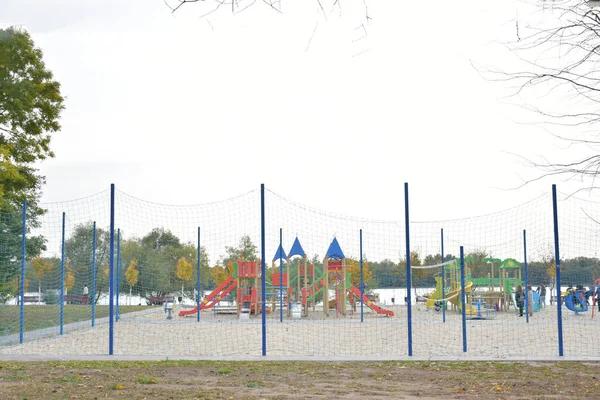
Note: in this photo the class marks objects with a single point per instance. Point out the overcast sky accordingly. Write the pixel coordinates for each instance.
(178, 109)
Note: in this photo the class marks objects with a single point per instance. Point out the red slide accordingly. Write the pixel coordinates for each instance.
(369, 303)
(214, 297)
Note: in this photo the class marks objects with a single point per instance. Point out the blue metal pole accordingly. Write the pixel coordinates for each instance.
(557, 262)
(408, 274)
(263, 283)
(526, 276)
(199, 298)
(463, 298)
(111, 291)
(281, 278)
(362, 283)
(118, 274)
(93, 296)
(62, 276)
(22, 281)
(443, 282)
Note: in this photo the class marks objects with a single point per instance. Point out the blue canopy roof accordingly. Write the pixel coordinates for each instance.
(296, 249)
(280, 253)
(335, 251)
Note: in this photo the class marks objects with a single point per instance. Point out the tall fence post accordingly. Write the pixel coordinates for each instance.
(281, 277)
(93, 295)
(199, 297)
(362, 282)
(263, 284)
(62, 276)
(111, 291)
(118, 275)
(443, 281)
(463, 298)
(408, 272)
(557, 263)
(526, 277)
(22, 280)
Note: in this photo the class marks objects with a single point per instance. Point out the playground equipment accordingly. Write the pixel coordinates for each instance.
(298, 286)
(334, 269)
(301, 282)
(334, 266)
(245, 279)
(576, 301)
(451, 289)
(278, 281)
(308, 278)
(502, 277)
(499, 286)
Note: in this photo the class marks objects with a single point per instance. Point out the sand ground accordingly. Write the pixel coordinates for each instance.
(503, 335)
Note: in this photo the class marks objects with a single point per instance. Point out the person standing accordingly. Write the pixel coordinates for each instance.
(85, 294)
(530, 301)
(542, 296)
(519, 299)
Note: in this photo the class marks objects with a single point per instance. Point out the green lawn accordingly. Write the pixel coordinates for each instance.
(45, 316)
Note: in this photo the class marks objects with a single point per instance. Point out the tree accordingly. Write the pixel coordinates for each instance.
(323, 7)
(418, 274)
(218, 274)
(69, 278)
(558, 80)
(353, 266)
(30, 107)
(156, 253)
(387, 274)
(79, 252)
(41, 266)
(477, 265)
(159, 239)
(184, 272)
(246, 250)
(132, 276)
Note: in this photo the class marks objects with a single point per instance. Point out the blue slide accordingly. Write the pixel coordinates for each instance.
(582, 304)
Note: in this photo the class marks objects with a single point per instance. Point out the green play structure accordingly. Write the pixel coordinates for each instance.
(503, 276)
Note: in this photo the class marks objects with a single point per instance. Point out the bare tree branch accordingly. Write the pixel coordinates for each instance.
(181, 2)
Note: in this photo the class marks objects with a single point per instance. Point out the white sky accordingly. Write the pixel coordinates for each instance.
(184, 110)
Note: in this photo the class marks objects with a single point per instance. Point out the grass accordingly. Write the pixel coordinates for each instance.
(223, 371)
(145, 380)
(46, 316)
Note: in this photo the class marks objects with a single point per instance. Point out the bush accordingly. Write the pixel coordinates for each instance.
(51, 297)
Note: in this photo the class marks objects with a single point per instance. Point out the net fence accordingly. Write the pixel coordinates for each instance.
(187, 281)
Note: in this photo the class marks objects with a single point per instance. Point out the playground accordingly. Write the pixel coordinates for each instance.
(323, 292)
(316, 310)
(504, 337)
(298, 290)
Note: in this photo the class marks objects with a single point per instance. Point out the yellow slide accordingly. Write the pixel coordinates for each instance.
(436, 295)
(454, 297)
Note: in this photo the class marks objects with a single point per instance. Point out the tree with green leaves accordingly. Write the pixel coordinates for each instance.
(78, 253)
(30, 108)
(156, 253)
(246, 250)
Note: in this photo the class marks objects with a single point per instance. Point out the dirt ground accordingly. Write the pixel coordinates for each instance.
(298, 380)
